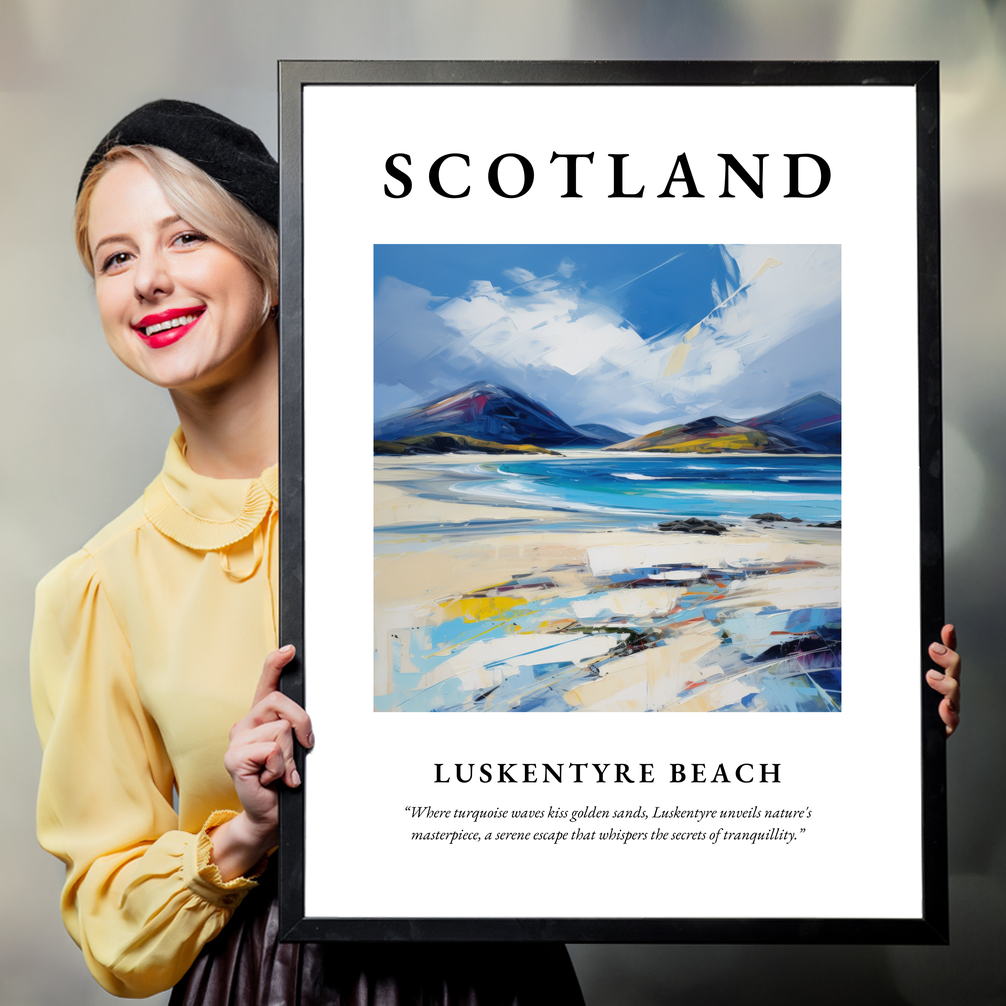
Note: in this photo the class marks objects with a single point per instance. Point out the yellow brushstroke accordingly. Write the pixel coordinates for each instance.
(703, 445)
(459, 643)
(769, 263)
(478, 609)
(677, 360)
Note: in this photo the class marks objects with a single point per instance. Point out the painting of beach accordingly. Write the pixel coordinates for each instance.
(607, 478)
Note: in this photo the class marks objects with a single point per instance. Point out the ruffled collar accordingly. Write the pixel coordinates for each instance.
(203, 513)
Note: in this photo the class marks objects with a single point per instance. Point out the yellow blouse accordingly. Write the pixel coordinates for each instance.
(147, 647)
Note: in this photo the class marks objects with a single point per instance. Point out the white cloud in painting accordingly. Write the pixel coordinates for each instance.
(519, 275)
(559, 342)
(793, 297)
(539, 333)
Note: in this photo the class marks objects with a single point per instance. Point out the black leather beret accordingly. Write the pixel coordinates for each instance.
(231, 154)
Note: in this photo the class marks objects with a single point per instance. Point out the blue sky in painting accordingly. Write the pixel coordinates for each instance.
(658, 287)
(606, 333)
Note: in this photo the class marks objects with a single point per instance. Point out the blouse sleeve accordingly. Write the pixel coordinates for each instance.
(141, 898)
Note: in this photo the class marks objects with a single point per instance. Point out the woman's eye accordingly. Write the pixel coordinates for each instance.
(190, 238)
(114, 261)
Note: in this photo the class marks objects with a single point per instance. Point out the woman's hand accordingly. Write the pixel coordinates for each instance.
(260, 753)
(948, 681)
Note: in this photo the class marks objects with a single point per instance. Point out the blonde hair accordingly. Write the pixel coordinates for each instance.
(199, 200)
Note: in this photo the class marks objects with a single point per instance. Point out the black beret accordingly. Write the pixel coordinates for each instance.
(231, 154)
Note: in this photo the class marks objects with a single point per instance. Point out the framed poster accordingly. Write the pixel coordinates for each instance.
(633, 369)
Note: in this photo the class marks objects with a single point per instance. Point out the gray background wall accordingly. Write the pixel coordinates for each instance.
(81, 436)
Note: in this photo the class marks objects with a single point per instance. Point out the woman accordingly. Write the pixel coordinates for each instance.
(148, 643)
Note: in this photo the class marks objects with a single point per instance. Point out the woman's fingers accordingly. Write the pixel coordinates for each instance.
(277, 706)
(261, 749)
(947, 686)
(946, 656)
(947, 680)
(257, 760)
(949, 709)
(278, 735)
(274, 766)
(951, 718)
(949, 636)
(271, 671)
(948, 659)
(270, 703)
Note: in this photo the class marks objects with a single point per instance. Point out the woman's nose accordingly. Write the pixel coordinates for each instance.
(152, 277)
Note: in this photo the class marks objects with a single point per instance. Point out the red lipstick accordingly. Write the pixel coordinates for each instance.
(165, 333)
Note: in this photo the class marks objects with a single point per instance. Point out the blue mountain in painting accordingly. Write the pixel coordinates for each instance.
(812, 423)
(709, 435)
(606, 434)
(486, 412)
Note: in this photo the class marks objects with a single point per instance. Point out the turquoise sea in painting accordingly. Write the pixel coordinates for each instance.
(635, 490)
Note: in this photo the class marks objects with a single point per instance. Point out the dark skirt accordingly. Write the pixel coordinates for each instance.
(246, 965)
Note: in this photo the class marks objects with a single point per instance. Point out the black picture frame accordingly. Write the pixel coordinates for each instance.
(932, 926)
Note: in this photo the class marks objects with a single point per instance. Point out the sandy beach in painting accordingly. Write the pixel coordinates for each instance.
(484, 606)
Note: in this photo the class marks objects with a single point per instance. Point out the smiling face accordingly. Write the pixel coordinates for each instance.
(177, 307)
